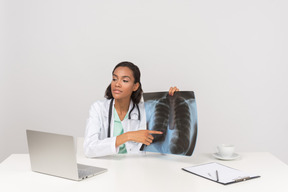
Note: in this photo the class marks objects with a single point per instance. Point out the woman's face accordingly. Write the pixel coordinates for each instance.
(122, 84)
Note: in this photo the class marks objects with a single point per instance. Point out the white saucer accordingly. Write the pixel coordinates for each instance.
(234, 156)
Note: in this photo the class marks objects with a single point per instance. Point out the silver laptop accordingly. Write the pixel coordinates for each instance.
(55, 154)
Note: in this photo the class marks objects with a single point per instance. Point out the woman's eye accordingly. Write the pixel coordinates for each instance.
(114, 79)
(125, 81)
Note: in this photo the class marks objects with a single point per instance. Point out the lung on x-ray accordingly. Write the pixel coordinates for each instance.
(176, 117)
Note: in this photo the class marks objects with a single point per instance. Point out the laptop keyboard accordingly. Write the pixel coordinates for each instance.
(85, 171)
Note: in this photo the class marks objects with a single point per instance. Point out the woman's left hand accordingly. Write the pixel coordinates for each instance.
(172, 90)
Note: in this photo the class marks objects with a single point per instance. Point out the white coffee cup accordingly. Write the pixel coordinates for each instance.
(226, 150)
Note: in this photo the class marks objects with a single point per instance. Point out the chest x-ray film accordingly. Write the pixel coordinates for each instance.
(176, 117)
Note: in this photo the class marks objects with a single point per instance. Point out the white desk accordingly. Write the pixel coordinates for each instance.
(150, 172)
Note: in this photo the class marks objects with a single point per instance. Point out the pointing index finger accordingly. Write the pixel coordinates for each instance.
(155, 132)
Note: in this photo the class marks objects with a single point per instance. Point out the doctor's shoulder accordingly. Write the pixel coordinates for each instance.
(100, 106)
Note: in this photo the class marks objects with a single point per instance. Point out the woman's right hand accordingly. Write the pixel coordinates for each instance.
(143, 136)
(140, 136)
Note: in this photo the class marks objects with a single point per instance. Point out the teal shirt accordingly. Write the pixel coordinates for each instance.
(118, 130)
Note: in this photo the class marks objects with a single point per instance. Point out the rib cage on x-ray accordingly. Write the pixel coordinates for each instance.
(176, 118)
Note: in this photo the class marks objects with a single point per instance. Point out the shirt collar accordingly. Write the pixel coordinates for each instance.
(116, 116)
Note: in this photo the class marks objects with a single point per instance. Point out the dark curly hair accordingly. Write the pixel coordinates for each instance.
(136, 95)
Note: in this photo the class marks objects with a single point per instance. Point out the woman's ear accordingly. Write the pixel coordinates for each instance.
(136, 86)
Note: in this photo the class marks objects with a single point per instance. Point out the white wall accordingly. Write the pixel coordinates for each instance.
(57, 57)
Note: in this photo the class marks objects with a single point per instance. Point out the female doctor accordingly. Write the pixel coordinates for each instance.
(118, 124)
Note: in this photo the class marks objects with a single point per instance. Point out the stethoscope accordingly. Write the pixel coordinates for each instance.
(129, 115)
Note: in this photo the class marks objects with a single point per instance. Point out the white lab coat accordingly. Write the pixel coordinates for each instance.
(96, 143)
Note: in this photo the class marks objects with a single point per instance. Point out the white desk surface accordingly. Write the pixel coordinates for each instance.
(150, 172)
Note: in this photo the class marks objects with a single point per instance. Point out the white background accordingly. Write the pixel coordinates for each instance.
(57, 57)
